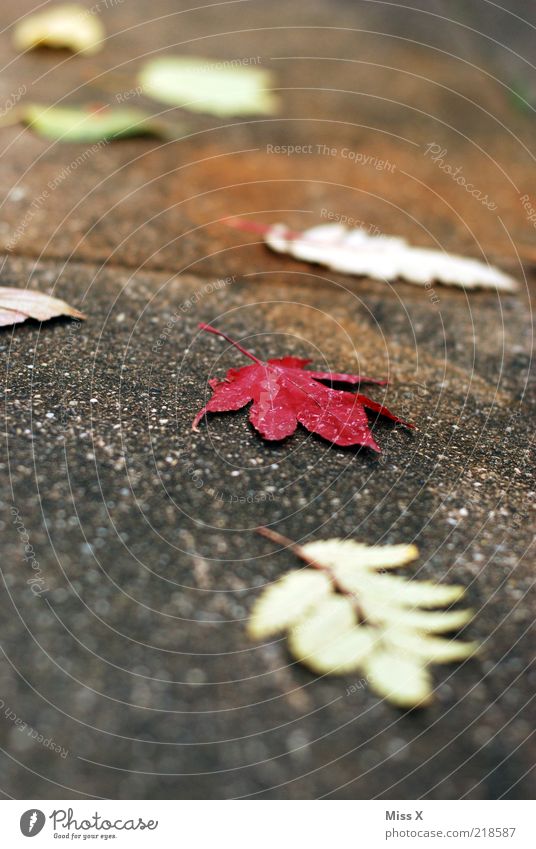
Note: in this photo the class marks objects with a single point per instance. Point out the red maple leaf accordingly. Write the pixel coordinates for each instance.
(283, 394)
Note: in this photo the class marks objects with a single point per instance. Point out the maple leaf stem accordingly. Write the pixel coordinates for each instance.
(216, 332)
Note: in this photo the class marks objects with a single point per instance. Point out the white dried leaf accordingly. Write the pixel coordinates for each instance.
(17, 305)
(384, 257)
(286, 601)
(65, 26)
(206, 85)
(403, 680)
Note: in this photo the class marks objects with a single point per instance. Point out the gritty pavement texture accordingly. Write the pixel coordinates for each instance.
(125, 670)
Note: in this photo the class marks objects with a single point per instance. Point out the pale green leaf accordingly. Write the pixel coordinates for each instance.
(205, 85)
(81, 124)
(337, 552)
(286, 601)
(328, 640)
(401, 679)
(64, 26)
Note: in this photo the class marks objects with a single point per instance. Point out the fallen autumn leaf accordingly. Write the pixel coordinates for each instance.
(284, 394)
(380, 257)
(206, 85)
(17, 305)
(344, 614)
(92, 123)
(66, 26)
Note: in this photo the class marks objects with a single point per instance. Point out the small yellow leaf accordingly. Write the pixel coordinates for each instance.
(205, 85)
(66, 26)
(395, 590)
(328, 640)
(337, 552)
(429, 649)
(286, 601)
(420, 620)
(419, 593)
(402, 680)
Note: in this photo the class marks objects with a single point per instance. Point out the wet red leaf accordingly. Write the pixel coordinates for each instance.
(283, 394)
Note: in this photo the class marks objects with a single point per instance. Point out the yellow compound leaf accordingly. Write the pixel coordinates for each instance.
(344, 614)
(66, 26)
(205, 85)
(285, 602)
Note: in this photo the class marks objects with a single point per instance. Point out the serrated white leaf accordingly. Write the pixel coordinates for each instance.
(328, 639)
(384, 257)
(206, 85)
(429, 649)
(403, 680)
(286, 601)
(338, 552)
(64, 26)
